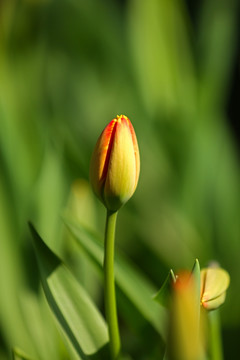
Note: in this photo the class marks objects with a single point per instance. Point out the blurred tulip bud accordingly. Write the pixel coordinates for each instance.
(184, 338)
(115, 164)
(214, 283)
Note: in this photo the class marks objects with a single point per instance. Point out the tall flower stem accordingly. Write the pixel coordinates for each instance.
(109, 286)
(215, 335)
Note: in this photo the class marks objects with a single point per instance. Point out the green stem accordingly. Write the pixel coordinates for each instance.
(109, 286)
(216, 352)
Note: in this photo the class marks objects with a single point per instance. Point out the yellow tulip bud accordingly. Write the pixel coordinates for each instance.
(115, 164)
(214, 283)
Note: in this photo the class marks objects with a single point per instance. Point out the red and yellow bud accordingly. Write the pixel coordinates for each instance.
(115, 164)
(188, 333)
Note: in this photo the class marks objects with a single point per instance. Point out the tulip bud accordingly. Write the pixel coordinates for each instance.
(214, 284)
(115, 164)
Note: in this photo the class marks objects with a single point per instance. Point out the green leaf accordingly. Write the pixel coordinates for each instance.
(163, 295)
(217, 40)
(37, 318)
(83, 325)
(197, 275)
(134, 285)
(18, 354)
(156, 30)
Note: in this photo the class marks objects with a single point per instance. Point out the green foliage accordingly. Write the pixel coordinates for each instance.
(130, 280)
(164, 293)
(67, 68)
(19, 355)
(81, 322)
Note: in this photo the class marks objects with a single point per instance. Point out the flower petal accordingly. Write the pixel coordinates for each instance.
(214, 282)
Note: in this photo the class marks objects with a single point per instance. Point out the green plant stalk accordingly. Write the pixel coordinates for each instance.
(215, 345)
(109, 285)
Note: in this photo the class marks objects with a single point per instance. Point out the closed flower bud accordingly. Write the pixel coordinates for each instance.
(115, 164)
(214, 284)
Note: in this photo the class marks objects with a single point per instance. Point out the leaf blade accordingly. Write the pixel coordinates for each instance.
(18, 354)
(81, 322)
(164, 293)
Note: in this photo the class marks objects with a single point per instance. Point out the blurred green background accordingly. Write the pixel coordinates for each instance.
(67, 67)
